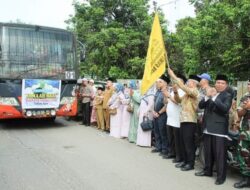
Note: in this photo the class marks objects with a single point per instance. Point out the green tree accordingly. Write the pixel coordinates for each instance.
(217, 40)
(116, 35)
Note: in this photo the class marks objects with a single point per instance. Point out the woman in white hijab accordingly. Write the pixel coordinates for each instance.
(145, 109)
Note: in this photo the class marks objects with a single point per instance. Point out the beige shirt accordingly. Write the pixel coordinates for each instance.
(97, 103)
(189, 103)
(106, 96)
(87, 91)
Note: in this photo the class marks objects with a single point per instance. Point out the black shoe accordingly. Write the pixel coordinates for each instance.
(245, 182)
(176, 160)
(219, 182)
(163, 153)
(180, 165)
(155, 150)
(202, 173)
(168, 156)
(187, 167)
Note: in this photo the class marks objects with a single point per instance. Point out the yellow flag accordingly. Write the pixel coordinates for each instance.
(156, 57)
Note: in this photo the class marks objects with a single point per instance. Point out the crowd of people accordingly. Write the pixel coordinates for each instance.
(178, 108)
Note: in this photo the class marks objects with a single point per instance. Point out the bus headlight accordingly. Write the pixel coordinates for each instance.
(53, 112)
(8, 101)
(29, 113)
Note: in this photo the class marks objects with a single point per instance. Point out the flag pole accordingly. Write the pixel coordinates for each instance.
(155, 10)
(155, 6)
(168, 66)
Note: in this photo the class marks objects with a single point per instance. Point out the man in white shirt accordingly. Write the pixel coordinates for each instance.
(173, 123)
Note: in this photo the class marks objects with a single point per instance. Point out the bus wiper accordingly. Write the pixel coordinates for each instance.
(39, 76)
(24, 72)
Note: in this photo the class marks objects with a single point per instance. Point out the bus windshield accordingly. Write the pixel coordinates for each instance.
(36, 52)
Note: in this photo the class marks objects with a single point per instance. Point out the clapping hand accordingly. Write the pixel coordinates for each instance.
(175, 88)
(211, 92)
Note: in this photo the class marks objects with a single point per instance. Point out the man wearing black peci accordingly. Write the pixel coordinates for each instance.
(160, 117)
(188, 118)
(216, 103)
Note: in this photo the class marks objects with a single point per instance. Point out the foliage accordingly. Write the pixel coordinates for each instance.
(116, 35)
(217, 40)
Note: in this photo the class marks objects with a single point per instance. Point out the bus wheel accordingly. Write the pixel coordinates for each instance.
(51, 119)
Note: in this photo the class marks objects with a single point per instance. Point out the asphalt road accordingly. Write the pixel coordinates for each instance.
(64, 155)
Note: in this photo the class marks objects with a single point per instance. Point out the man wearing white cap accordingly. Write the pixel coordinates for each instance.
(91, 83)
(86, 93)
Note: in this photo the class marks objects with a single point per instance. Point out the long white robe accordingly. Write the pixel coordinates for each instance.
(146, 108)
(126, 116)
(115, 120)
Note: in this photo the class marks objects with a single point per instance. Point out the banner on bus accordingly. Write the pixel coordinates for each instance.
(40, 93)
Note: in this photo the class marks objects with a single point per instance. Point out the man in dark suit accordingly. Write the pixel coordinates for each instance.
(216, 103)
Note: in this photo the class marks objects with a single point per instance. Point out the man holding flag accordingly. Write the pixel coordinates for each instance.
(155, 67)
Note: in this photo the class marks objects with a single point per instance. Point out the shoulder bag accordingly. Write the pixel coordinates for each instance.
(146, 124)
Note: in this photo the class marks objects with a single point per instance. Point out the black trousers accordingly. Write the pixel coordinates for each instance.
(160, 133)
(215, 152)
(187, 131)
(171, 142)
(90, 111)
(86, 113)
(177, 142)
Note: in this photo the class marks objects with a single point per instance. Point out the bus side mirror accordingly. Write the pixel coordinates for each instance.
(82, 51)
(82, 56)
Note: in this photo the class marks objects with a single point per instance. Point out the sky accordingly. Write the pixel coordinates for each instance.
(53, 13)
(175, 10)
